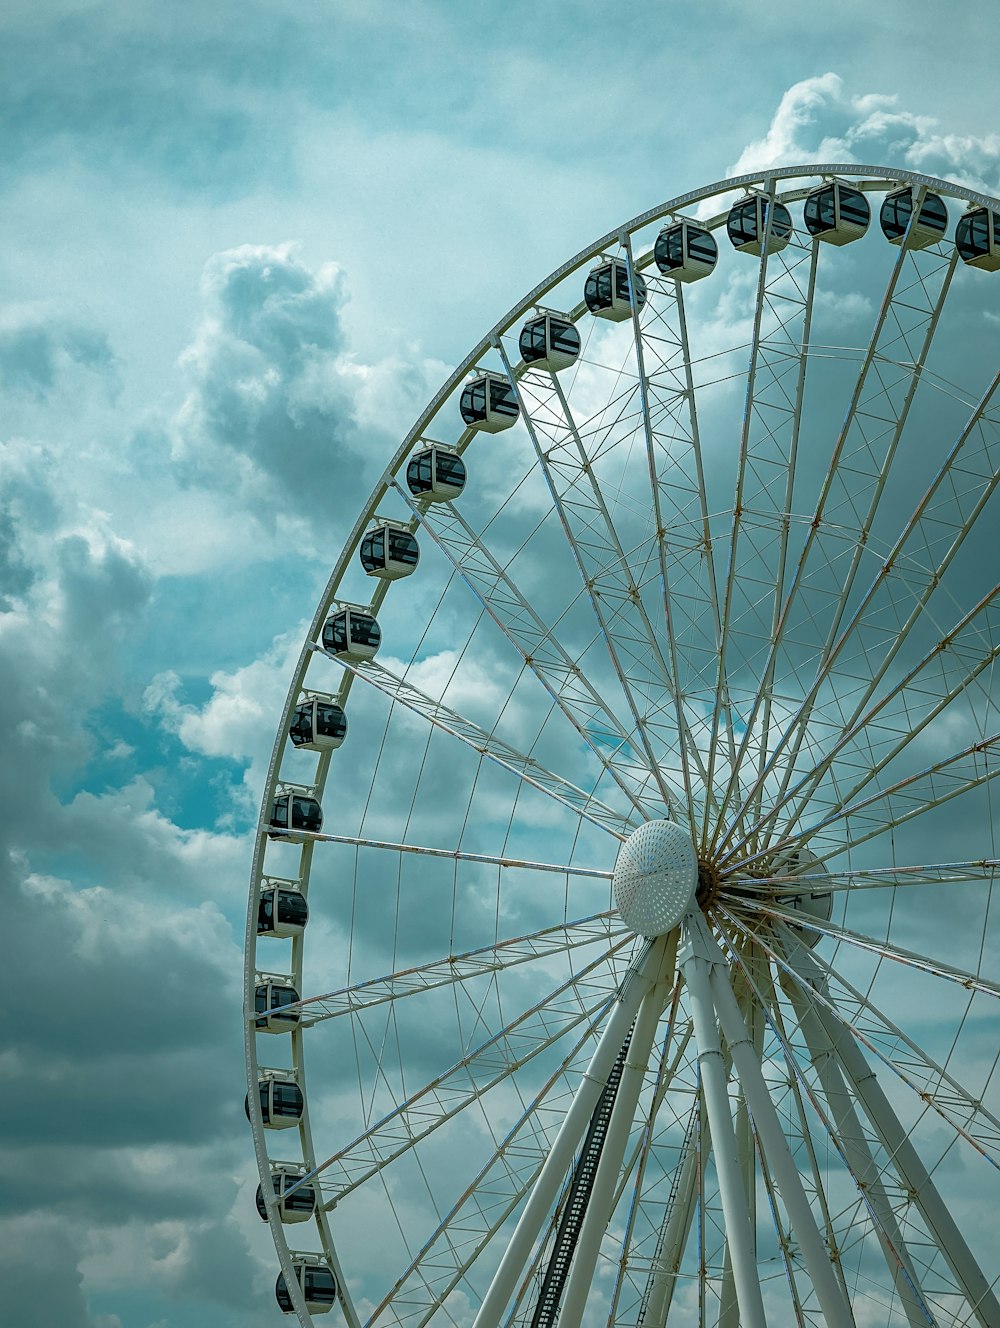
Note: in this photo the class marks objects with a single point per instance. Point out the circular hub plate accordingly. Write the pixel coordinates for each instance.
(655, 877)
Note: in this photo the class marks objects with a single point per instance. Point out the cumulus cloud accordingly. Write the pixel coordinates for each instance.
(819, 119)
(39, 347)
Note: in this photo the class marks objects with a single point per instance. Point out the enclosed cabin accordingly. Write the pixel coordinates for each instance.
(836, 213)
(389, 551)
(351, 632)
(294, 811)
(316, 1281)
(549, 342)
(296, 1206)
(281, 1100)
(489, 402)
(437, 473)
(272, 996)
(977, 239)
(281, 910)
(318, 725)
(608, 292)
(685, 251)
(899, 223)
(756, 222)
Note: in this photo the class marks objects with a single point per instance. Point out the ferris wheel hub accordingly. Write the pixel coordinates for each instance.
(655, 877)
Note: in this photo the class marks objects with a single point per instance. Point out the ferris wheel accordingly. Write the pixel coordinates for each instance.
(631, 961)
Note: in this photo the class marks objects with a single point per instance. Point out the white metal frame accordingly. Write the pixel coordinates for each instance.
(804, 759)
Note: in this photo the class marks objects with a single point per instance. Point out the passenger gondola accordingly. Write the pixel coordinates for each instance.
(318, 1284)
(294, 811)
(747, 225)
(351, 632)
(607, 292)
(298, 1206)
(281, 911)
(685, 251)
(977, 239)
(270, 1001)
(836, 213)
(318, 725)
(281, 1101)
(549, 342)
(389, 551)
(437, 473)
(489, 403)
(897, 210)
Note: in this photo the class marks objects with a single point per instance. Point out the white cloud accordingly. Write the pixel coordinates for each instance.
(819, 120)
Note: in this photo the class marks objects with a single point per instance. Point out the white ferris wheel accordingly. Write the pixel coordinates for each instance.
(650, 972)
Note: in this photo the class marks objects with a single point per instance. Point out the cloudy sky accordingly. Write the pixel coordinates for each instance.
(242, 244)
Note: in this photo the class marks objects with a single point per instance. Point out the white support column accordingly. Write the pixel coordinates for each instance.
(601, 1202)
(695, 961)
(505, 1279)
(857, 1154)
(836, 1310)
(906, 1161)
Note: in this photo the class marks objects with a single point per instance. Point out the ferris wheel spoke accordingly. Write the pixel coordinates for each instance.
(464, 1083)
(887, 950)
(452, 854)
(758, 547)
(863, 456)
(692, 762)
(873, 1029)
(611, 584)
(904, 801)
(946, 672)
(493, 1195)
(916, 565)
(599, 929)
(871, 878)
(536, 643)
(494, 748)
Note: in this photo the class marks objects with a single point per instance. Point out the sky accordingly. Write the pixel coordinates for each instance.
(240, 248)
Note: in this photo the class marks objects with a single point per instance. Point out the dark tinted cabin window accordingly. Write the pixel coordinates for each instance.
(972, 234)
(473, 405)
(450, 469)
(403, 548)
(306, 814)
(532, 341)
(330, 720)
(565, 337)
(854, 207)
(742, 223)
(335, 632)
(934, 214)
(702, 246)
(320, 1285)
(287, 1099)
(265, 911)
(820, 211)
(292, 908)
(300, 729)
(781, 226)
(502, 398)
(365, 630)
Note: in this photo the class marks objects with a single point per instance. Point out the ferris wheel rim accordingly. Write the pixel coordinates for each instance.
(876, 178)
